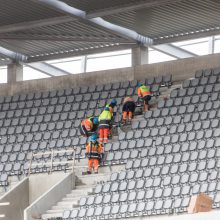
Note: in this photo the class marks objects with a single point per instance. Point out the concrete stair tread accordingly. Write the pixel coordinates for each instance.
(66, 202)
(51, 215)
(84, 186)
(55, 211)
(62, 207)
(65, 199)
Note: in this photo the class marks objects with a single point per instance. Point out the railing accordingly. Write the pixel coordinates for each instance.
(52, 162)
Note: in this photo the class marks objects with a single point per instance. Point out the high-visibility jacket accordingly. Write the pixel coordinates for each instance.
(105, 116)
(128, 99)
(143, 91)
(94, 150)
(110, 107)
(87, 123)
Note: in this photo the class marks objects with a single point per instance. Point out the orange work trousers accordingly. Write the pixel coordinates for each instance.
(93, 162)
(125, 114)
(103, 134)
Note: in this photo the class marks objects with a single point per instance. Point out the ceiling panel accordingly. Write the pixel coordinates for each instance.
(16, 11)
(170, 19)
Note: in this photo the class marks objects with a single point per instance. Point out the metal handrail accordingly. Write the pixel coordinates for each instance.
(52, 162)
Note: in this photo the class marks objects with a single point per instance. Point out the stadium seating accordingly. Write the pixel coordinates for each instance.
(42, 121)
(170, 155)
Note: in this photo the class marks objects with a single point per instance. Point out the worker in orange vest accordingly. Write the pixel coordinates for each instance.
(94, 152)
(128, 109)
(145, 95)
(89, 126)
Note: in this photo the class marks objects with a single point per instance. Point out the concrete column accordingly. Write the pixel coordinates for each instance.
(211, 45)
(83, 64)
(139, 56)
(15, 72)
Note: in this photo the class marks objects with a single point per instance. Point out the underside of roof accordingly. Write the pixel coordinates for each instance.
(40, 31)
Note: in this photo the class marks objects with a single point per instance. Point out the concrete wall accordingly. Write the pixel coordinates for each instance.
(19, 200)
(40, 183)
(181, 69)
(50, 198)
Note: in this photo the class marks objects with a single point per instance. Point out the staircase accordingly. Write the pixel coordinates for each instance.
(84, 186)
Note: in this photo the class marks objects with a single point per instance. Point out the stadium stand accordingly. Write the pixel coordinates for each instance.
(170, 155)
(39, 122)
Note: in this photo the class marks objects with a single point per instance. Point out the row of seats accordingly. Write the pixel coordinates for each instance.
(199, 90)
(65, 126)
(201, 81)
(130, 210)
(25, 110)
(207, 72)
(187, 100)
(134, 208)
(182, 109)
(113, 88)
(206, 118)
(155, 146)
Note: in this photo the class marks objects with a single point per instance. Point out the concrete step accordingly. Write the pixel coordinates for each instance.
(84, 186)
(55, 211)
(51, 215)
(78, 194)
(63, 203)
(93, 178)
(75, 198)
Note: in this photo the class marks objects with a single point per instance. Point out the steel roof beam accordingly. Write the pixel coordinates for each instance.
(45, 37)
(47, 69)
(35, 24)
(129, 7)
(80, 52)
(98, 22)
(173, 51)
(17, 57)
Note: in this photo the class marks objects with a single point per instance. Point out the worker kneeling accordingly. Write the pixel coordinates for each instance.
(128, 109)
(145, 95)
(94, 152)
(89, 126)
(105, 119)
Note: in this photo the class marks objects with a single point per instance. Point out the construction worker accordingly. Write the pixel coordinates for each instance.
(112, 105)
(145, 95)
(105, 119)
(128, 109)
(89, 126)
(94, 152)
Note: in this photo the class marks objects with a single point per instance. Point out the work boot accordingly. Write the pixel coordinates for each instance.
(123, 122)
(88, 172)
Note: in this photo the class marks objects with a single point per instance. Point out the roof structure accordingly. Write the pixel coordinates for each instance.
(50, 29)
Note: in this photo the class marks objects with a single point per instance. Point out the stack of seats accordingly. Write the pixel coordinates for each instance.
(172, 154)
(42, 121)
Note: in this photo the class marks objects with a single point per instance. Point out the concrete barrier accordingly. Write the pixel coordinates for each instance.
(50, 198)
(18, 199)
(180, 69)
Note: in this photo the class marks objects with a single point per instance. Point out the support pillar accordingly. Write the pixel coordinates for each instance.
(211, 45)
(83, 64)
(15, 72)
(139, 56)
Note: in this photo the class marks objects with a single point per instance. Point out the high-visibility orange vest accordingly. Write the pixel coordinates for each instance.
(143, 91)
(94, 149)
(87, 123)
